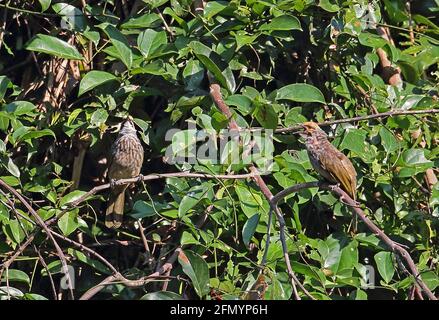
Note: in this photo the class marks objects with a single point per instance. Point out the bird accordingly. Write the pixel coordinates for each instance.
(126, 159)
(329, 162)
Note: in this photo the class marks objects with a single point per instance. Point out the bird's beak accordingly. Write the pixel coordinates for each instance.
(303, 132)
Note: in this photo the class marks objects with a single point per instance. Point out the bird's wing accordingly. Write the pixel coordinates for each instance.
(342, 170)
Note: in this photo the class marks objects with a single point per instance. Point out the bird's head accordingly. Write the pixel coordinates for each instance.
(128, 127)
(310, 129)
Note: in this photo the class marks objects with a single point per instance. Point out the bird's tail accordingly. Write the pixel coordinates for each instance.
(114, 213)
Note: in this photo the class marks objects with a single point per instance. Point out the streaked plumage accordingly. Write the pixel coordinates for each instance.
(329, 162)
(125, 162)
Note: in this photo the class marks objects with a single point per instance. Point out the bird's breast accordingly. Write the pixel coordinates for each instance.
(127, 157)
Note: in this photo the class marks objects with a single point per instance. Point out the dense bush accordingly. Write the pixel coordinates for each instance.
(71, 72)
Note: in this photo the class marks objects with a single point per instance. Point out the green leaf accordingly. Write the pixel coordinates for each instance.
(72, 17)
(197, 270)
(348, 259)
(328, 6)
(98, 117)
(330, 252)
(143, 209)
(35, 134)
(93, 79)
(193, 74)
(243, 103)
(250, 200)
(413, 162)
(53, 267)
(431, 279)
(359, 295)
(15, 275)
(45, 4)
(249, 228)
(300, 92)
(285, 22)
(19, 108)
(33, 296)
(193, 197)
(150, 41)
(355, 141)
(4, 213)
(385, 265)
(14, 231)
(12, 181)
(371, 40)
(414, 157)
(162, 295)
(142, 22)
(71, 197)
(212, 8)
(388, 140)
(91, 262)
(214, 63)
(6, 291)
(13, 168)
(155, 3)
(267, 116)
(69, 222)
(120, 43)
(53, 46)
(5, 83)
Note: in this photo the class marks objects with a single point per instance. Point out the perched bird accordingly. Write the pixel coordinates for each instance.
(125, 162)
(329, 162)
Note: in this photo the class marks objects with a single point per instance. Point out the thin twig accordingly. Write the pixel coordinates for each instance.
(346, 199)
(360, 118)
(44, 226)
(155, 176)
(215, 93)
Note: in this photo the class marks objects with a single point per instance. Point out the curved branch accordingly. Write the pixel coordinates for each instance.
(42, 224)
(215, 93)
(156, 176)
(345, 198)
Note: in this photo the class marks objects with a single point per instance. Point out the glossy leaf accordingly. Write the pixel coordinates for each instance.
(53, 46)
(93, 79)
(300, 92)
(197, 270)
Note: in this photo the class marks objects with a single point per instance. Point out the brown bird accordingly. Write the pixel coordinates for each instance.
(329, 162)
(125, 162)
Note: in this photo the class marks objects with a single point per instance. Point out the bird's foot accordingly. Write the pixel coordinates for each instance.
(342, 198)
(356, 205)
(140, 177)
(112, 183)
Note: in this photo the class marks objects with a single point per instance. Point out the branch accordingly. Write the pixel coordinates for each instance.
(215, 93)
(390, 74)
(345, 198)
(116, 275)
(163, 269)
(360, 118)
(42, 224)
(156, 176)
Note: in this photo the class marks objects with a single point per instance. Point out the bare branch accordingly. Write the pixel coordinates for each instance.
(216, 95)
(361, 118)
(345, 198)
(42, 224)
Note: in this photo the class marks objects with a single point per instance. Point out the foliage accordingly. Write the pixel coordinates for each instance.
(69, 72)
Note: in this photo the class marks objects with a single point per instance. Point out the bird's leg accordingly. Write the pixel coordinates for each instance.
(140, 177)
(342, 198)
